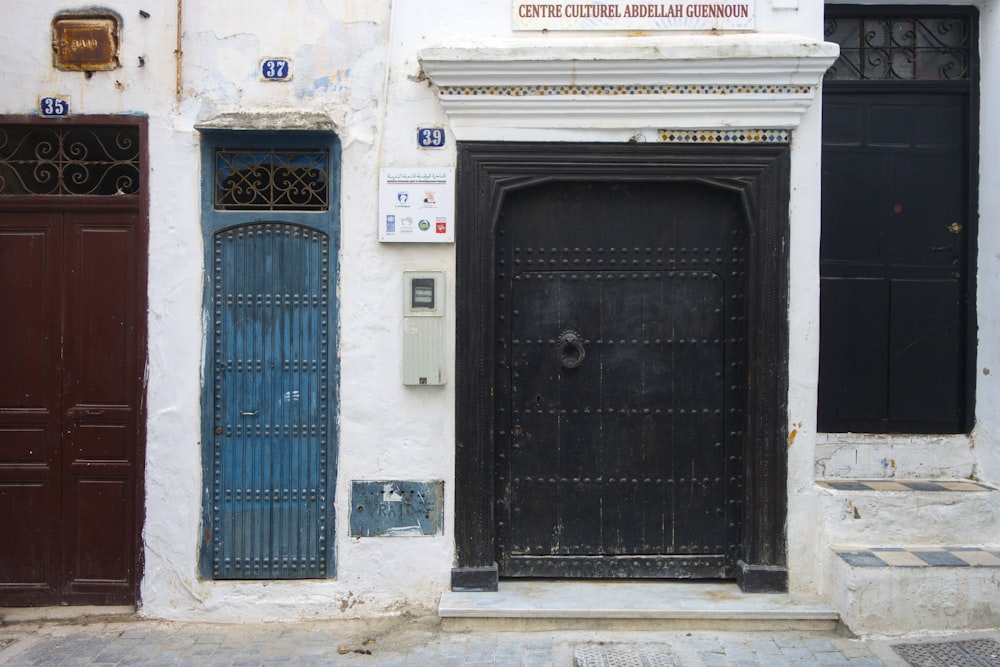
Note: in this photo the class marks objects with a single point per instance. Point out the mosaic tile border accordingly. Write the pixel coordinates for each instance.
(903, 485)
(922, 557)
(612, 90)
(735, 136)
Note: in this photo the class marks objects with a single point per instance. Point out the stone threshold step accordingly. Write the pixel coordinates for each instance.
(921, 556)
(633, 605)
(83, 613)
(931, 485)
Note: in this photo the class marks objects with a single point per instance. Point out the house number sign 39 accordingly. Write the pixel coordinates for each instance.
(430, 137)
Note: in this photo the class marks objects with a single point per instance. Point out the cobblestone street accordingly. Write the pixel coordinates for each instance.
(420, 642)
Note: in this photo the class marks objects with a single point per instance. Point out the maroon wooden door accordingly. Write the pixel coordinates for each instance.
(72, 289)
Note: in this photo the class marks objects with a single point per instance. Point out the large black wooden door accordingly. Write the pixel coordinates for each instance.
(619, 370)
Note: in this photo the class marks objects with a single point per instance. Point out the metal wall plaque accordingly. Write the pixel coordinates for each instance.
(85, 44)
(53, 107)
(276, 69)
(430, 137)
(417, 205)
(396, 508)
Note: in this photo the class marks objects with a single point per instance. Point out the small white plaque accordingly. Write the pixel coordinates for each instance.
(714, 15)
(417, 205)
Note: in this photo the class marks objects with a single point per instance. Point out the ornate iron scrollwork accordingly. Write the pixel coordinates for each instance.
(75, 160)
(271, 180)
(899, 48)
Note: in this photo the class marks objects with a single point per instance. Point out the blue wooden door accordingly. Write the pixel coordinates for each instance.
(270, 403)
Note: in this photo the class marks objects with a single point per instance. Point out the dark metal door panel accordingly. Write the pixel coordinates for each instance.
(603, 434)
(925, 345)
(271, 403)
(30, 337)
(621, 457)
(894, 262)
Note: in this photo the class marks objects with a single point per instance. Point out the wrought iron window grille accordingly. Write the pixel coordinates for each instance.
(69, 160)
(930, 48)
(272, 180)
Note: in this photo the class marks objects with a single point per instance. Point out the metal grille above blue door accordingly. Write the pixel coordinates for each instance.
(270, 403)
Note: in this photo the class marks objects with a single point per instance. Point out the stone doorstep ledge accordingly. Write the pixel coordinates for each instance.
(68, 614)
(896, 591)
(634, 600)
(894, 484)
(921, 556)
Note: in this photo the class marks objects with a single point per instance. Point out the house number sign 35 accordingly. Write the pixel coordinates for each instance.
(53, 107)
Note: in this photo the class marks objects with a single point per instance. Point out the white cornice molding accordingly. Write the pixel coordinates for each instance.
(693, 81)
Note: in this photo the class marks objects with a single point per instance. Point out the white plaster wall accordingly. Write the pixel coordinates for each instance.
(355, 62)
(803, 350)
(28, 72)
(987, 434)
(339, 53)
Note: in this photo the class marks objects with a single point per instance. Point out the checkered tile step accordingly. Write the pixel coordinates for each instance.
(902, 485)
(923, 557)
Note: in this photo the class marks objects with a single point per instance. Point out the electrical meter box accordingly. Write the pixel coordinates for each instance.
(423, 328)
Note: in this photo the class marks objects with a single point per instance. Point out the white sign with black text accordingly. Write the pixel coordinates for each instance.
(417, 205)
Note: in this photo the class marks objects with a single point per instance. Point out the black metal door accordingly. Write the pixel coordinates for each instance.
(894, 262)
(620, 371)
(897, 256)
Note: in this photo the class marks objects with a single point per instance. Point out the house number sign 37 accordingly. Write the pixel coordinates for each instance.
(276, 69)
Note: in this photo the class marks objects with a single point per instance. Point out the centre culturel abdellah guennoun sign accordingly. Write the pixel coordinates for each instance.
(619, 15)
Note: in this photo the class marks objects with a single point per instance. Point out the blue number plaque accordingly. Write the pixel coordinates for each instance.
(275, 69)
(53, 107)
(430, 137)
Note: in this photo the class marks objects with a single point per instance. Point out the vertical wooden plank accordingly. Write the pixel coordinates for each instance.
(100, 404)
(30, 337)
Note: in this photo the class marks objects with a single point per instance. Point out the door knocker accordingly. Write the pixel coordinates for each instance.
(569, 349)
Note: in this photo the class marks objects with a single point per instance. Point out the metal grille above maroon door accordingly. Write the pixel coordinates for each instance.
(620, 351)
